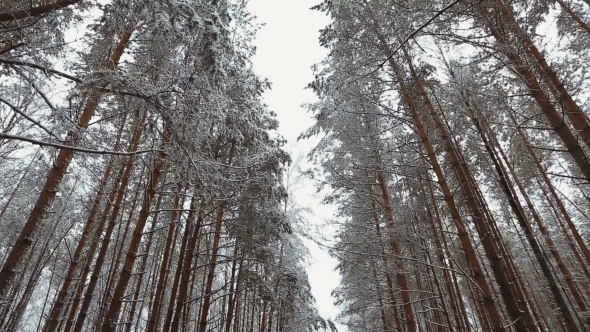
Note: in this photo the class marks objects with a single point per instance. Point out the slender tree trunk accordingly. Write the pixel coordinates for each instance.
(388, 279)
(578, 119)
(551, 188)
(142, 267)
(211, 274)
(184, 247)
(435, 220)
(232, 296)
(119, 294)
(35, 11)
(543, 230)
(573, 15)
(57, 173)
(518, 211)
(162, 276)
(52, 322)
(476, 269)
(122, 181)
(384, 321)
(400, 276)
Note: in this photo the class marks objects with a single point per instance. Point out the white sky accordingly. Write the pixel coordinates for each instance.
(287, 47)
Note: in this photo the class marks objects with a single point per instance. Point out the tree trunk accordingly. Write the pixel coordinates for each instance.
(400, 276)
(518, 211)
(166, 259)
(232, 296)
(578, 119)
(574, 15)
(57, 173)
(551, 188)
(52, 322)
(184, 247)
(119, 294)
(471, 255)
(122, 181)
(211, 274)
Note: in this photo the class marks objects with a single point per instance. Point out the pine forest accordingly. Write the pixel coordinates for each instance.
(145, 184)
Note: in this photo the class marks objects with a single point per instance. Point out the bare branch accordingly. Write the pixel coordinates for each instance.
(24, 115)
(35, 11)
(67, 147)
(45, 69)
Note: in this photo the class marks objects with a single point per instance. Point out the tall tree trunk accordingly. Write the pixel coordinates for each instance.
(122, 181)
(184, 247)
(513, 300)
(388, 279)
(552, 190)
(57, 173)
(166, 259)
(573, 15)
(52, 322)
(543, 230)
(400, 276)
(471, 255)
(578, 119)
(454, 294)
(142, 268)
(232, 297)
(119, 294)
(35, 11)
(518, 211)
(211, 274)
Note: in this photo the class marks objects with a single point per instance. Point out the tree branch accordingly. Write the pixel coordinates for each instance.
(35, 11)
(67, 147)
(45, 69)
(24, 115)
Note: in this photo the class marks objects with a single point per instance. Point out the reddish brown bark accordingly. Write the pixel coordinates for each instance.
(572, 227)
(232, 297)
(211, 273)
(578, 119)
(186, 248)
(116, 196)
(518, 211)
(35, 11)
(142, 268)
(400, 276)
(52, 322)
(166, 259)
(112, 314)
(574, 15)
(578, 298)
(471, 255)
(457, 307)
(57, 173)
(388, 280)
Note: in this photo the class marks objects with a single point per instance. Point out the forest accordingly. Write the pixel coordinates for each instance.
(145, 186)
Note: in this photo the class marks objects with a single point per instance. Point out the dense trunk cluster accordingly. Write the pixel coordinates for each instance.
(141, 183)
(456, 141)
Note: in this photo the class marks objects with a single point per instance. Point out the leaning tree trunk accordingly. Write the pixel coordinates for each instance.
(186, 248)
(166, 259)
(553, 192)
(467, 245)
(119, 294)
(211, 273)
(518, 211)
(52, 322)
(57, 173)
(402, 280)
(574, 15)
(557, 122)
(122, 181)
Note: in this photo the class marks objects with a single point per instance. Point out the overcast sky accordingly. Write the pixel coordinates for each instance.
(287, 47)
